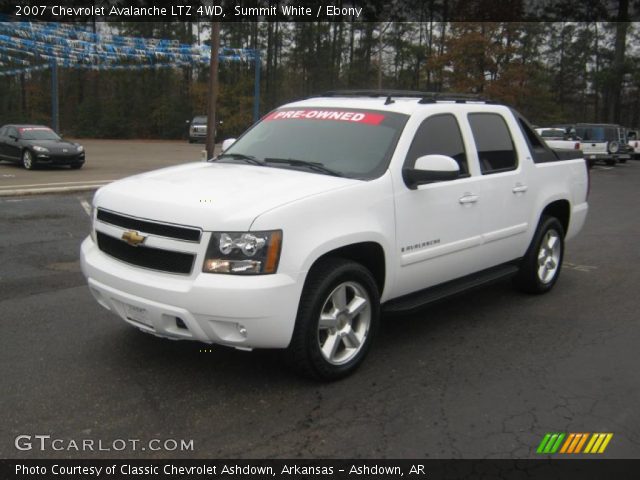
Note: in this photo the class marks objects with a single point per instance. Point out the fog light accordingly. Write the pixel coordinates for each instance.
(242, 330)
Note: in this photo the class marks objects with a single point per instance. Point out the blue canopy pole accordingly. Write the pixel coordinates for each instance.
(55, 120)
(256, 88)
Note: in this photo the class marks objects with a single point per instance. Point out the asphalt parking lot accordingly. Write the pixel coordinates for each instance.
(106, 160)
(484, 375)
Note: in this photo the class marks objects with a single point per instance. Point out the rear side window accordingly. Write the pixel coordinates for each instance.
(539, 152)
(496, 151)
(439, 134)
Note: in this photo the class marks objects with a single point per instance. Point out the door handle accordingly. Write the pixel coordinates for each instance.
(519, 188)
(468, 198)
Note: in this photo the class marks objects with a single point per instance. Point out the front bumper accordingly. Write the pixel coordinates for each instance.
(197, 135)
(607, 156)
(59, 159)
(239, 311)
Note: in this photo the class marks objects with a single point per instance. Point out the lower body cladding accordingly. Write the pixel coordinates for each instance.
(244, 312)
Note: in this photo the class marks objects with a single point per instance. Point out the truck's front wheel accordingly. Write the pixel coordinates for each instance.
(541, 264)
(337, 319)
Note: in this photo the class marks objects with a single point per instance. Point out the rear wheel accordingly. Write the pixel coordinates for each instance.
(610, 162)
(623, 160)
(541, 264)
(27, 160)
(337, 319)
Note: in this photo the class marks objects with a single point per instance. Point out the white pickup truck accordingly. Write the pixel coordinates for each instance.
(634, 142)
(557, 138)
(329, 211)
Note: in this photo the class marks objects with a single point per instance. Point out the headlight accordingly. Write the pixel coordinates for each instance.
(243, 253)
(80, 148)
(40, 149)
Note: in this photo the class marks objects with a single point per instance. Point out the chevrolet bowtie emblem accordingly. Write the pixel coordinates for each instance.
(133, 238)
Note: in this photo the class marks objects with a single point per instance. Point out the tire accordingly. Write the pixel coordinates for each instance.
(27, 160)
(345, 295)
(535, 276)
(623, 160)
(611, 163)
(76, 166)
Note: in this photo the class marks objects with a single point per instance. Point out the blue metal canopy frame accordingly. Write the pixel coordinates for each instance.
(33, 46)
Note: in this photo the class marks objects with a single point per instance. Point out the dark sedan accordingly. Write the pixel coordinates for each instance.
(33, 145)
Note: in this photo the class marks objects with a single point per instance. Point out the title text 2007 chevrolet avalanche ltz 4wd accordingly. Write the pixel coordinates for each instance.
(328, 211)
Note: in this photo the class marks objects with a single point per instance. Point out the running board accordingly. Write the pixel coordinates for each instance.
(416, 300)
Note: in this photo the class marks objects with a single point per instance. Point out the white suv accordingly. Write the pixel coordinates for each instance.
(326, 212)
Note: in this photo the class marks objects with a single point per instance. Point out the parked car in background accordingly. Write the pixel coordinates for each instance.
(558, 138)
(34, 145)
(602, 142)
(197, 128)
(634, 142)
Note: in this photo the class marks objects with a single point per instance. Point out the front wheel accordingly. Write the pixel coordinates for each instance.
(337, 319)
(27, 160)
(541, 264)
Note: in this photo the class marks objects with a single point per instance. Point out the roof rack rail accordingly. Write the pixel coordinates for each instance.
(424, 97)
(372, 93)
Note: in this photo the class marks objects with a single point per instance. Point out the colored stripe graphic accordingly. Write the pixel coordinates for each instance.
(598, 443)
(574, 442)
(543, 443)
(568, 442)
(581, 443)
(550, 443)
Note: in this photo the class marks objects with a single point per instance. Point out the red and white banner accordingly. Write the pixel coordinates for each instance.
(28, 129)
(335, 115)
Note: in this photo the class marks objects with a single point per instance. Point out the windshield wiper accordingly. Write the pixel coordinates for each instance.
(317, 166)
(240, 156)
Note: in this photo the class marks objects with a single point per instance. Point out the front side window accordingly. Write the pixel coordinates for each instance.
(351, 143)
(439, 134)
(496, 151)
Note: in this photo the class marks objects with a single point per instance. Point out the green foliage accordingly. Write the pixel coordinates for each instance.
(550, 72)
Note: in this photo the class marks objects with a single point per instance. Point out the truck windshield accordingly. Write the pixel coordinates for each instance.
(353, 143)
(38, 133)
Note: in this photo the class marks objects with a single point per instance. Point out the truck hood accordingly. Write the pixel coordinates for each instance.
(212, 196)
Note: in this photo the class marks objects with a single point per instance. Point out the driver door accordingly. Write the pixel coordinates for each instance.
(438, 225)
(12, 148)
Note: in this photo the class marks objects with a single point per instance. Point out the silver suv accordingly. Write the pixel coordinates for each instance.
(198, 128)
